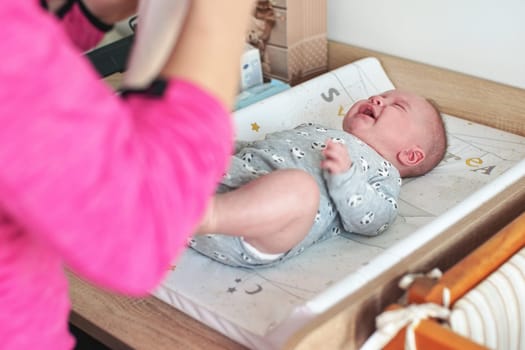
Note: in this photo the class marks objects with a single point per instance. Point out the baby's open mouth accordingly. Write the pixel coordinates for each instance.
(367, 110)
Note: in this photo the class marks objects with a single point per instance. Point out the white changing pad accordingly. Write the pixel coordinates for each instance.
(262, 308)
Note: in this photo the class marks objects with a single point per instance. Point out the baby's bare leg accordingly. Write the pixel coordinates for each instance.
(272, 213)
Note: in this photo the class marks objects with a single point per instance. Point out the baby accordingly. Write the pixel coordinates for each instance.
(301, 186)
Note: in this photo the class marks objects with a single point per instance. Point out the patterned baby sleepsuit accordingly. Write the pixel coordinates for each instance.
(362, 200)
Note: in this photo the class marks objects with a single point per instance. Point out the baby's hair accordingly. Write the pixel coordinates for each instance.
(438, 144)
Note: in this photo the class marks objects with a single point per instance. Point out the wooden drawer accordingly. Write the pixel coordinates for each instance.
(302, 60)
(279, 36)
(297, 44)
(279, 3)
(279, 61)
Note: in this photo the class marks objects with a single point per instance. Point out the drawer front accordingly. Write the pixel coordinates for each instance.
(279, 36)
(298, 61)
(279, 3)
(278, 57)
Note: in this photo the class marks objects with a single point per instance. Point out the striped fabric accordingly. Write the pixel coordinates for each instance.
(493, 313)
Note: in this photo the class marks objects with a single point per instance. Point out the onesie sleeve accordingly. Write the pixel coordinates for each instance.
(113, 185)
(365, 206)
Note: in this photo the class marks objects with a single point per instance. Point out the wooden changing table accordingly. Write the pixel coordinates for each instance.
(148, 323)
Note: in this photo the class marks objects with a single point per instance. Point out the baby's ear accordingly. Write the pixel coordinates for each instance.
(411, 156)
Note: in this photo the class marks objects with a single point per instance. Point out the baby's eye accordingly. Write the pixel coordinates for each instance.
(400, 106)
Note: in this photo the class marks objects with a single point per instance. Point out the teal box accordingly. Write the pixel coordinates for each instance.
(259, 92)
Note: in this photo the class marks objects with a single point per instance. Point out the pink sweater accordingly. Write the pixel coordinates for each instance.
(109, 187)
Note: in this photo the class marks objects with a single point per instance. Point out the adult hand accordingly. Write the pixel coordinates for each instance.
(337, 160)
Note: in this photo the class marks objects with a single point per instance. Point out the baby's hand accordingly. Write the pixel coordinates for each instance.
(337, 160)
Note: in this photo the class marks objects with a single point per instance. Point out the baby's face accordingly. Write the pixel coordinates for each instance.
(389, 121)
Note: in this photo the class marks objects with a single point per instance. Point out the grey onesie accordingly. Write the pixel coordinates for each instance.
(362, 200)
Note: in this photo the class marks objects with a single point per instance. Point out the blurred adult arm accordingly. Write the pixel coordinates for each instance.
(115, 185)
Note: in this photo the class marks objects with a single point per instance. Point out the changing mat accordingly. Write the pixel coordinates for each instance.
(262, 308)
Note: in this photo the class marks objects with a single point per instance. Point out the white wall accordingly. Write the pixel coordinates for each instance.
(478, 37)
